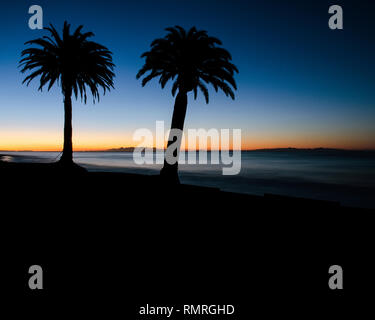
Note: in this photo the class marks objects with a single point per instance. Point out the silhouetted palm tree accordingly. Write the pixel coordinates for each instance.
(72, 62)
(190, 59)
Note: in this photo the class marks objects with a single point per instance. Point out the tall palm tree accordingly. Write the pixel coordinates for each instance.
(74, 63)
(190, 59)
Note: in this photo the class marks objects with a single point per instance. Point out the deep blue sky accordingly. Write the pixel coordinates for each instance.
(300, 83)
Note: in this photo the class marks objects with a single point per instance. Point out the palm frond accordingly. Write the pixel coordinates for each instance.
(70, 60)
(193, 57)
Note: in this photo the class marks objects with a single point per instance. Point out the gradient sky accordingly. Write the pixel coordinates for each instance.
(300, 83)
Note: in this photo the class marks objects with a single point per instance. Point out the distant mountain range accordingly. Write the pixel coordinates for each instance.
(318, 152)
(296, 150)
(122, 149)
(128, 149)
(131, 149)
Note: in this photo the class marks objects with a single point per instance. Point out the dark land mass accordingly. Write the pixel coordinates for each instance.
(322, 151)
(110, 239)
(319, 151)
(122, 149)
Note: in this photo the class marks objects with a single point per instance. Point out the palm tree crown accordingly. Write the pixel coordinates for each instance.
(70, 60)
(191, 60)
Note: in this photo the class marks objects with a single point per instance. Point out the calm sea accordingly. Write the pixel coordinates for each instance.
(347, 177)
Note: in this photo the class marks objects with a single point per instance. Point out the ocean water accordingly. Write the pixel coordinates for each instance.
(347, 177)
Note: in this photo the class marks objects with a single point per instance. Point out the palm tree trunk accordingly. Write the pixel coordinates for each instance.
(67, 156)
(169, 172)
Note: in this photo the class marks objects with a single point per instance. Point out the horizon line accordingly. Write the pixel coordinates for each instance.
(124, 149)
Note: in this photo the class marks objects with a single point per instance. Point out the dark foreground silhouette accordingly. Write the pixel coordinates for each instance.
(73, 62)
(191, 60)
(110, 241)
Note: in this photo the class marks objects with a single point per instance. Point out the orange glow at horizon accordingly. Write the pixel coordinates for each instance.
(89, 141)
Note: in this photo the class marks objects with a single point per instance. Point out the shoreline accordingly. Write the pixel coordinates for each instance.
(254, 182)
(47, 171)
